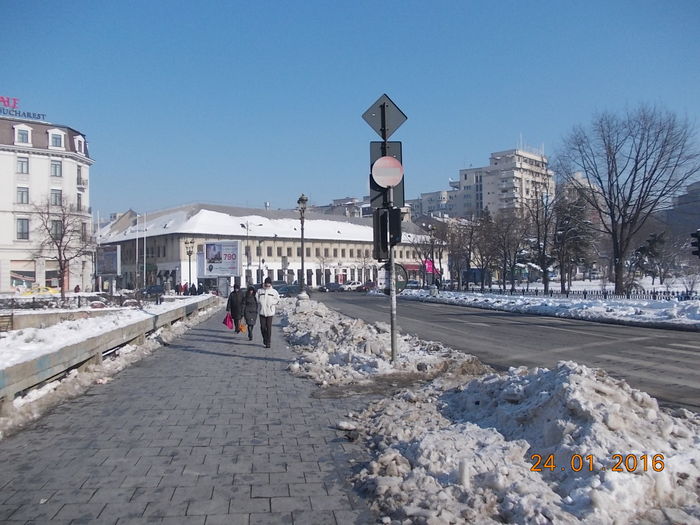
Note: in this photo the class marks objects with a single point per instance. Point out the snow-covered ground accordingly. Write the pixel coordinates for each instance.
(659, 313)
(21, 345)
(461, 448)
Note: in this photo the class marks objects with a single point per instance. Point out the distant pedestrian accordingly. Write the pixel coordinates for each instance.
(235, 306)
(178, 289)
(193, 289)
(250, 310)
(77, 288)
(185, 288)
(267, 300)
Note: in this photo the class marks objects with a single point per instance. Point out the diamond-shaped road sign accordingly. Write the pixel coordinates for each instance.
(384, 117)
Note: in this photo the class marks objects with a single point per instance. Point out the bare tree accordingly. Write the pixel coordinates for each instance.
(630, 166)
(64, 235)
(510, 232)
(461, 235)
(485, 253)
(540, 209)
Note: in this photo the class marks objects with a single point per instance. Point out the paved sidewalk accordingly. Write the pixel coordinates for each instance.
(204, 431)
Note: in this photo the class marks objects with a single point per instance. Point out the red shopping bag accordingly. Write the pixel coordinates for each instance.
(228, 321)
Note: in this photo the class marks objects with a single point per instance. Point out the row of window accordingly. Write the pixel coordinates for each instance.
(23, 136)
(56, 168)
(56, 229)
(352, 252)
(55, 197)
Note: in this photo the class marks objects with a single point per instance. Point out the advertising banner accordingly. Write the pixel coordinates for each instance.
(222, 259)
(108, 260)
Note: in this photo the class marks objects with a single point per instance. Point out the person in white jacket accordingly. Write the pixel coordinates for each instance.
(267, 300)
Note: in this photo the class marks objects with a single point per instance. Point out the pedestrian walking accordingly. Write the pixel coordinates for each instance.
(235, 306)
(250, 310)
(267, 300)
(193, 289)
(185, 288)
(200, 289)
(177, 289)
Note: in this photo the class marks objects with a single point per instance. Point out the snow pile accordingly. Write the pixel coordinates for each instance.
(336, 349)
(465, 454)
(650, 313)
(36, 401)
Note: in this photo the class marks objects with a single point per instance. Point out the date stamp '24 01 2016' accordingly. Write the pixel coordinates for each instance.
(621, 463)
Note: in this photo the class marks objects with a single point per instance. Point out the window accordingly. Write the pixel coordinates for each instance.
(366, 252)
(23, 136)
(22, 195)
(289, 252)
(56, 168)
(318, 252)
(335, 252)
(308, 252)
(23, 229)
(56, 197)
(80, 175)
(23, 165)
(342, 253)
(56, 140)
(83, 232)
(80, 202)
(279, 251)
(258, 251)
(352, 253)
(325, 252)
(298, 251)
(56, 229)
(269, 251)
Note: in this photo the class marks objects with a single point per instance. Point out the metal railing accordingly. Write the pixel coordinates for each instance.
(651, 295)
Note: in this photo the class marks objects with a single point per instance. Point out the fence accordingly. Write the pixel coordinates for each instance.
(652, 295)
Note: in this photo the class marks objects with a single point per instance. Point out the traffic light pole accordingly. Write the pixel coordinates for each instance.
(392, 285)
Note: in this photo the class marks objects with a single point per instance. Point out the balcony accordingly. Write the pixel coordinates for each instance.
(81, 183)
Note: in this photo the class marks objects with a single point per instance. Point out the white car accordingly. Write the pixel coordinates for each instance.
(350, 286)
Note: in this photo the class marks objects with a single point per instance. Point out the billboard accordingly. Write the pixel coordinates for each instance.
(221, 259)
(108, 260)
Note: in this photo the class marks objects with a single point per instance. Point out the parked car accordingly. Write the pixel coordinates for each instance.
(351, 286)
(330, 287)
(289, 290)
(413, 285)
(366, 287)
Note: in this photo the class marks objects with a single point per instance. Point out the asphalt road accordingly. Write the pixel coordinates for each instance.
(664, 363)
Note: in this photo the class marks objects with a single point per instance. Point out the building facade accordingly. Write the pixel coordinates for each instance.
(47, 166)
(154, 246)
(507, 183)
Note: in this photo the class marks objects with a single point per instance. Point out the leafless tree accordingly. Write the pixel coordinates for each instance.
(510, 233)
(485, 249)
(64, 236)
(630, 166)
(540, 210)
(461, 235)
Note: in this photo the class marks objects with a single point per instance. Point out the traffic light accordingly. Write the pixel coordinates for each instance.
(696, 243)
(381, 234)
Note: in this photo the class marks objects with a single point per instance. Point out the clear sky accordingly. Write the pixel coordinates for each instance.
(243, 102)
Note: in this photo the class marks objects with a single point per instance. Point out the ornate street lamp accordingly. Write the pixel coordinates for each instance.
(189, 249)
(301, 203)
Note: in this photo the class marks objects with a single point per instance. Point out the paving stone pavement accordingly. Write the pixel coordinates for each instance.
(211, 429)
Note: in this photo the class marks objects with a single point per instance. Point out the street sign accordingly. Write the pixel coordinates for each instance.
(400, 277)
(378, 196)
(387, 172)
(384, 117)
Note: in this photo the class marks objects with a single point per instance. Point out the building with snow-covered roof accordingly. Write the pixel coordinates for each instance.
(337, 249)
(41, 164)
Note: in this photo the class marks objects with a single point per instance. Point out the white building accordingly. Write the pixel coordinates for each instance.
(511, 178)
(40, 163)
(336, 248)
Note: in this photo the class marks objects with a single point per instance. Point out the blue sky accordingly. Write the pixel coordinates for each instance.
(245, 102)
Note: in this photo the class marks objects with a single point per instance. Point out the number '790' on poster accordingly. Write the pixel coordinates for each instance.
(221, 259)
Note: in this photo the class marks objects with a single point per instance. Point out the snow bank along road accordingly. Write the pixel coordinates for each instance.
(664, 363)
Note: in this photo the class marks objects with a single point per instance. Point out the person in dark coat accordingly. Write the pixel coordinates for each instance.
(193, 289)
(235, 306)
(250, 310)
(177, 288)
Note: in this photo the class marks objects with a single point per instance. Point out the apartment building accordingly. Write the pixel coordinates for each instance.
(40, 164)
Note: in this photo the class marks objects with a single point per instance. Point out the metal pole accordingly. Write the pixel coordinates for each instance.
(144, 250)
(136, 256)
(301, 281)
(392, 285)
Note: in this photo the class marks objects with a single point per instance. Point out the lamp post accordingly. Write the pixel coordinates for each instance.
(189, 248)
(301, 202)
(246, 225)
(260, 279)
